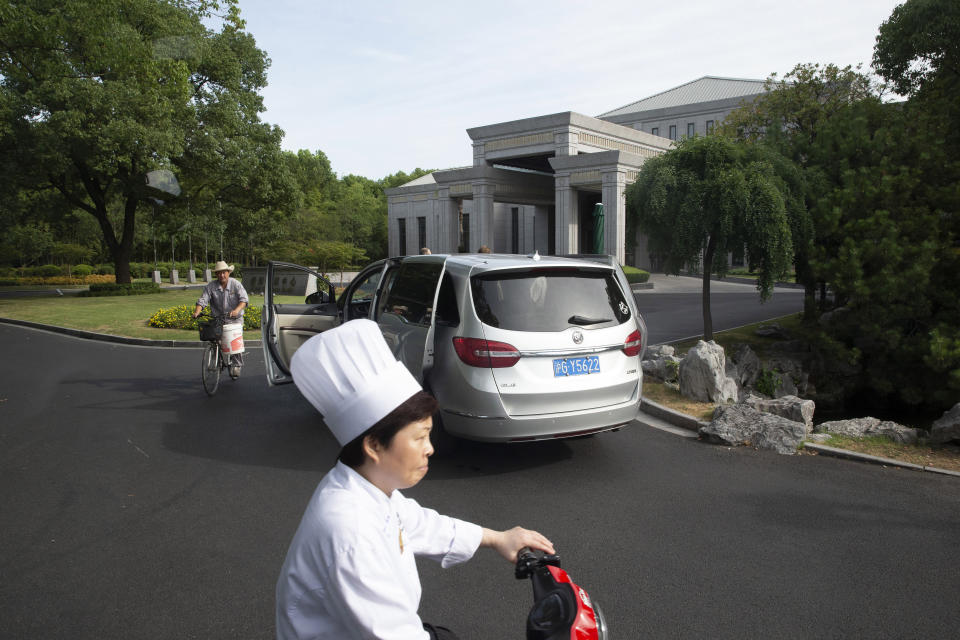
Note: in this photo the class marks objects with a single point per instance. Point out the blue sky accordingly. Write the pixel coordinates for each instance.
(384, 86)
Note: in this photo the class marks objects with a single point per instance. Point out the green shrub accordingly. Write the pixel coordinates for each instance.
(49, 271)
(114, 289)
(768, 381)
(634, 275)
(9, 282)
(181, 317)
(105, 270)
(82, 270)
(251, 317)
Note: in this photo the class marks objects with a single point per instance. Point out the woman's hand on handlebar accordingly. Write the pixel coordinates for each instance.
(508, 543)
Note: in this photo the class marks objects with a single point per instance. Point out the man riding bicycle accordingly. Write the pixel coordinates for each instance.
(226, 297)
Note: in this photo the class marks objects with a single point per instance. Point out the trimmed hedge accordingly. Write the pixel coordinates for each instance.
(114, 289)
(634, 275)
(181, 317)
(58, 280)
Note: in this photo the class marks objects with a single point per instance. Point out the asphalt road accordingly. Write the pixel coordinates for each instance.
(673, 309)
(131, 505)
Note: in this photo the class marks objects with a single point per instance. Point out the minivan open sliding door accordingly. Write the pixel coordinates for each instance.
(298, 304)
(406, 320)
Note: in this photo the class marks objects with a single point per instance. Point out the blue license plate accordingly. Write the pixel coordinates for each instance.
(563, 367)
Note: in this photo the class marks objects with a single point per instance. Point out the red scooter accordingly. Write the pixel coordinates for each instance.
(561, 610)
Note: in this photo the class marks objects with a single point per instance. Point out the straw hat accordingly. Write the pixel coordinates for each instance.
(351, 377)
(222, 266)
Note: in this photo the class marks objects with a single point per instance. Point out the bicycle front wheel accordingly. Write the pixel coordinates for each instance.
(211, 368)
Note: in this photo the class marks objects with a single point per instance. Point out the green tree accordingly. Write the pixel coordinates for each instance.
(892, 266)
(710, 196)
(789, 117)
(95, 94)
(918, 46)
(28, 242)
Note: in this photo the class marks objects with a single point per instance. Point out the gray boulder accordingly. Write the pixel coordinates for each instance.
(741, 424)
(748, 365)
(860, 427)
(664, 367)
(947, 427)
(703, 374)
(789, 407)
(772, 330)
(658, 351)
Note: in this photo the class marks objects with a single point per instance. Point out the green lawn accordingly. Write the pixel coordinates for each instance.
(117, 315)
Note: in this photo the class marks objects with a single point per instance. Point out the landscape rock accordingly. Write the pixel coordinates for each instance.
(947, 427)
(741, 424)
(703, 374)
(665, 368)
(773, 330)
(658, 351)
(789, 407)
(748, 365)
(819, 438)
(860, 427)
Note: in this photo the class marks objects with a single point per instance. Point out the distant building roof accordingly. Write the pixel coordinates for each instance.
(705, 89)
(424, 179)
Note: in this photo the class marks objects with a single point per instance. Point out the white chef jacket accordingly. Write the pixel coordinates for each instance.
(345, 575)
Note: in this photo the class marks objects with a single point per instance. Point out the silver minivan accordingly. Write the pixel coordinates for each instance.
(513, 347)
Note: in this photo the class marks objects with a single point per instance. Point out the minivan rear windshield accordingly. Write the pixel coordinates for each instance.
(549, 299)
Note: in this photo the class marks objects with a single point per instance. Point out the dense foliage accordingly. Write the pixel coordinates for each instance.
(130, 132)
(881, 265)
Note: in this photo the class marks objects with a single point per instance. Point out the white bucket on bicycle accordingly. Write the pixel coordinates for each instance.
(231, 340)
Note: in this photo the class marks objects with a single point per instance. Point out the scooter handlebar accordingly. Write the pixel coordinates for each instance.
(529, 560)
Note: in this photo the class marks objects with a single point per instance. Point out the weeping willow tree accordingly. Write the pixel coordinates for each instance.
(710, 196)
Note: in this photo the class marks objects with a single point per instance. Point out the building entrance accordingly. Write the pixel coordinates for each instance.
(586, 201)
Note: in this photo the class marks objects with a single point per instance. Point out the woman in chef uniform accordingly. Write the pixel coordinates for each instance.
(350, 570)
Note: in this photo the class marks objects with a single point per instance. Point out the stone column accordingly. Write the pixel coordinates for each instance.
(567, 224)
(481, 222)
(447, 214)
(614, 214)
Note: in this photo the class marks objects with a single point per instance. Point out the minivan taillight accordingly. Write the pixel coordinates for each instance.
(633, 344)
(478, 352)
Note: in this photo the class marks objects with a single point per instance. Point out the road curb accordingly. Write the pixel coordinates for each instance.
(863, 457)
(106, 337)
(689, 427)
(675, 418)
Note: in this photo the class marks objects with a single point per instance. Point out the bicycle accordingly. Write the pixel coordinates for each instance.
(213, 361)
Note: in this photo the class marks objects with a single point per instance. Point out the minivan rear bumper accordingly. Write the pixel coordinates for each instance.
(543, 426)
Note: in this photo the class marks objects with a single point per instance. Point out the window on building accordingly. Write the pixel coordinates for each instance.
(465, 232)
(655, 131)
(421, 232)
(673, 132)
(690, 129)
(709, 126)
(514, 229)
(402, 236)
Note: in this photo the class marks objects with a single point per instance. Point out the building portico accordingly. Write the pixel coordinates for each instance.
(535, 182)
(532, 186)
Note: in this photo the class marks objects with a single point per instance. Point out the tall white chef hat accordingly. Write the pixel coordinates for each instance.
(350, 376)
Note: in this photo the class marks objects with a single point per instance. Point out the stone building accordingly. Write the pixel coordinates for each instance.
(535, 182)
